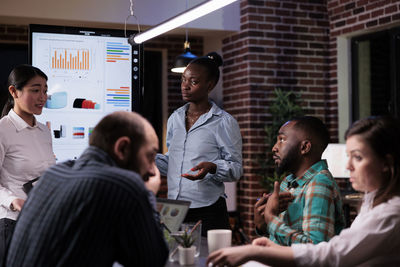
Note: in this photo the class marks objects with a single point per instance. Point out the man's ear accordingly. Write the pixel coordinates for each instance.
(211, 86)
(305, 147)
(122, 148)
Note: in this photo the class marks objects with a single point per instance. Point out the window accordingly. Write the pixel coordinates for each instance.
(375, 74)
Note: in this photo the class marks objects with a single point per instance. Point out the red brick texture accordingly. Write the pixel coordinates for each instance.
(281, 44)
(290, 45)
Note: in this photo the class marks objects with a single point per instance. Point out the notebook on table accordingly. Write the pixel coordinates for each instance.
(172, 212)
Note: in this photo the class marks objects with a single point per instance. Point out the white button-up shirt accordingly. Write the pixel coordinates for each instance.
(25, 153)
(215, 137)
(372, 240)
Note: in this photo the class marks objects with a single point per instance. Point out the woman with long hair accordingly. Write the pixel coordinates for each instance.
(25, 144)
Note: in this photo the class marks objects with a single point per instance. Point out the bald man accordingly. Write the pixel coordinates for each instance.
(96, 210)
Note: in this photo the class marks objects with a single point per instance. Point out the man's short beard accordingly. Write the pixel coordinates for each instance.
(130, 163)
(288, 163)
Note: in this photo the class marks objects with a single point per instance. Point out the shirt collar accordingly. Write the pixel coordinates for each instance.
(309, 174)
(96, 154)
(369, 197)
(214, 110)
(20, 124)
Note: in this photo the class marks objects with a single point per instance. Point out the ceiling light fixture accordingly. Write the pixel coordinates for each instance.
(183, 60)
(182, 18)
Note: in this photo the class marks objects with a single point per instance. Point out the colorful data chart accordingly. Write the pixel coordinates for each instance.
(84, 103)
(70, 59)
(117, 52)
(90, 131)
(78, 132)
(119, 97)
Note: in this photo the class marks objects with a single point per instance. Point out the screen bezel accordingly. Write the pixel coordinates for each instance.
(136, 84)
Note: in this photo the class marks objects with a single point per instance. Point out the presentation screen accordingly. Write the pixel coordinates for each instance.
(91, 73)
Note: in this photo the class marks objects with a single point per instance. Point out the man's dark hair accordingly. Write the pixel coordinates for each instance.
(116, 125)
(315, 130)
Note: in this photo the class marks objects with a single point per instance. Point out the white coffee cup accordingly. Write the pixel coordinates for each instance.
(218, 238)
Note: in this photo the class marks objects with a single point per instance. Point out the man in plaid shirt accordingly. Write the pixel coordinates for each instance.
(309, 209)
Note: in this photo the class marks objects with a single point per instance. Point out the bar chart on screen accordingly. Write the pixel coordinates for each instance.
(119, 97)
(70, 59)
(90, 76)
(117, 52)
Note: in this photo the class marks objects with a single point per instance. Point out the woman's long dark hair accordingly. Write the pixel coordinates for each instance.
(19, 77)
(381, 133)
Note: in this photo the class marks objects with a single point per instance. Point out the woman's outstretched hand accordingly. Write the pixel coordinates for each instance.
(203, 168)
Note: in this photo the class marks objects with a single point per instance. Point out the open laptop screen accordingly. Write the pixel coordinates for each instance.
(172, 212)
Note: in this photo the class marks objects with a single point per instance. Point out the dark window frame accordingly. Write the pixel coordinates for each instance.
(394, 37)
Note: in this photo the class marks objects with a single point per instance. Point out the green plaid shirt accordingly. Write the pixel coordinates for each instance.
(316, 213)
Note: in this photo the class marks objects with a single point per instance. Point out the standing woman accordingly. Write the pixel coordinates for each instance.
(373, 238)
(204, 147)
(25, 144)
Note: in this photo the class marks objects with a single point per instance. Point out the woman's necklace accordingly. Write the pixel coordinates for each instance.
(192, 117)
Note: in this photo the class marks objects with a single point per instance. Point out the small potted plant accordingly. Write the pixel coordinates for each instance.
(186, 249)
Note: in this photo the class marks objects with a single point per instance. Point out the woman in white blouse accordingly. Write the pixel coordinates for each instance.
(25, 144)
(373, 239)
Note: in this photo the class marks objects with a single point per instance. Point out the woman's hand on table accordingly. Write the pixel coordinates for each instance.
(203, 168)
(235, 256)
(232, 256)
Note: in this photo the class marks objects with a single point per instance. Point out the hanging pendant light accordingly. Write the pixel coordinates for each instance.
(183, 60)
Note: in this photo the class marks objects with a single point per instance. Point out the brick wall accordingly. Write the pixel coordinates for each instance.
(14, 34)
(281, 44)
(355, 17)
(291, 45)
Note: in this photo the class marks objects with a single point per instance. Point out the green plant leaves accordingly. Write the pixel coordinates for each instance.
(285, 106)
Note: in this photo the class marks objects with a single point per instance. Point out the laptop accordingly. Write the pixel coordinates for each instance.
(172, 212)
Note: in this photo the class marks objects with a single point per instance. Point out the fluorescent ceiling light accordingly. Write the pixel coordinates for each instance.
(182, 18)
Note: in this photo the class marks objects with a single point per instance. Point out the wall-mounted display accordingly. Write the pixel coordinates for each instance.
(91, 73)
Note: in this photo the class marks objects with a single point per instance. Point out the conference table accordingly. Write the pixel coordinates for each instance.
(200, 261)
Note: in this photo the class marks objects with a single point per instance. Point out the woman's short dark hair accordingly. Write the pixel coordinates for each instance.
(211, 62)
(19, 77)
(381, 134)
